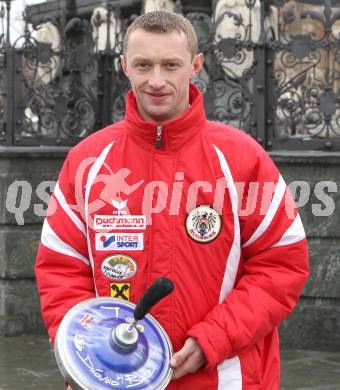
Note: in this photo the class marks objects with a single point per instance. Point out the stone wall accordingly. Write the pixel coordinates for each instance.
(20, 233)
(315, 323)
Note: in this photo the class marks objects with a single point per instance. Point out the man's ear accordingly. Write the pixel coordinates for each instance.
(197, 64)
(123, 64)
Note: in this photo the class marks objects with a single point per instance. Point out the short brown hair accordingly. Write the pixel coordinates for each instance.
(163, 22)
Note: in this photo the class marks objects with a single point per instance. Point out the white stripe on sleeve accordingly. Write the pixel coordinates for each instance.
(229, 371)
(50, 239)
(294, 233)
(65, 206)
(235, 251)
(274, 205)
(90, 180)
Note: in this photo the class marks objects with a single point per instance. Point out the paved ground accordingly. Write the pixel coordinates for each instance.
(27, 363)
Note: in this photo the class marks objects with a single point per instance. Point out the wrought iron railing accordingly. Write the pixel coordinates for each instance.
(272, 68)
(304, 76)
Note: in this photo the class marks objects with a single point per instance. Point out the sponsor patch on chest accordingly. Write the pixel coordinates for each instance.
(120, 290)
(119, 241)
(203, 224)
(119, 267)
(119, 222)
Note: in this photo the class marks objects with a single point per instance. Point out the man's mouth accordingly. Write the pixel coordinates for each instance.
(156, 95)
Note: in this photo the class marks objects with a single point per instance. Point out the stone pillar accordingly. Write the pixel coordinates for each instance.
(155, 5)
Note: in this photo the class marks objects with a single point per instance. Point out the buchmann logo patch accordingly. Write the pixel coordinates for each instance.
(122, 241)
(120, 222)
(119, 267)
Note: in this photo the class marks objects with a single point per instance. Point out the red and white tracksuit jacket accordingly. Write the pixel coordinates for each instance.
(231, 290)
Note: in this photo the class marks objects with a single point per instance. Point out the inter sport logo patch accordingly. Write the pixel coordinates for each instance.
(119, 241)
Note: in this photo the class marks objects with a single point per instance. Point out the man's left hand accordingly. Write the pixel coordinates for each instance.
(187, 360)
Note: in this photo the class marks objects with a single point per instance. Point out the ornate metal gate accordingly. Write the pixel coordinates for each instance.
(272, 68)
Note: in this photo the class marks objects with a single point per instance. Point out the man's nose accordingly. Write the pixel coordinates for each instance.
(157, 80)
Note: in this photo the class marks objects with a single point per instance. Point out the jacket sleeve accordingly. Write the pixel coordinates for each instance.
(63, 271)
(272, 271)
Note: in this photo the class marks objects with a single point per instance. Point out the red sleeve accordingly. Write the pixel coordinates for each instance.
(270, 278)
(63, 270)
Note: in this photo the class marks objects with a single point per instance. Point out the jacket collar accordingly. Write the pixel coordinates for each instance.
(175, 133)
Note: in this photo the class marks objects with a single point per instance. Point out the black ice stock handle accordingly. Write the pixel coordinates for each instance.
(157, 291)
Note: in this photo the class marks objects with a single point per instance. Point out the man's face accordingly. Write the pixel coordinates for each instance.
(160, 68)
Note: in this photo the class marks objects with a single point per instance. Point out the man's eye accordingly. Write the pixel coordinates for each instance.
(172, 65)
(142, 66)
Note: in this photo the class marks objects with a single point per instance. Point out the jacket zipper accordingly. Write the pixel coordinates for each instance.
(159, 137)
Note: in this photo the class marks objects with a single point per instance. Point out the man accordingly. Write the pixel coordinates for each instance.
(201, 203)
